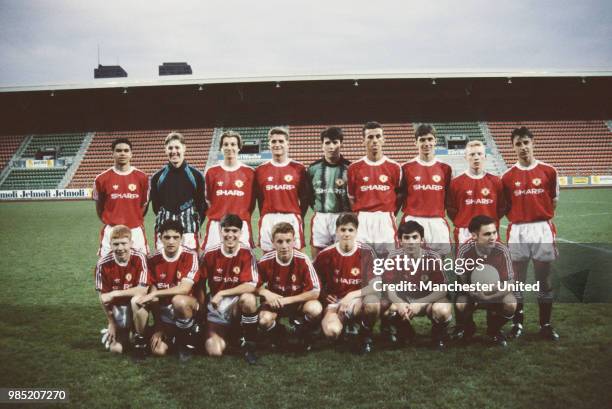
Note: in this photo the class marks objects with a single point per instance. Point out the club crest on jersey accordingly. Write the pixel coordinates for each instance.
(485, 191)
(178, 275)
(424, 278)
(270, 178)
(469, 192)
(517, 184)
(236, 270)
(537, 181)
(293, 278)
(339, 182)
(436, 178)
(365, 178)
(383, 178)
(132, 187)
(239, 183)
(288, 178)
(115, 187)
(417, 178)
(162, 276)
(220, 183)
(355, 271)
(128, 277)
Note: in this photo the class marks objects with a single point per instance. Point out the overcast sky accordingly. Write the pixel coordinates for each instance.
(55, 41)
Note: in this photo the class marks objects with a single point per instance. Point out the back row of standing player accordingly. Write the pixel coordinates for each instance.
(375, 187)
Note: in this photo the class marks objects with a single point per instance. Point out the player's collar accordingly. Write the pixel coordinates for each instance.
(480, 251)
(350, 253)
(176, 256)
(229, 255)
(120, 263)
(127, 172)
(372, 163)
(282, 164)
(281, 263)
(532, 166)
(468, 174)
(423, 163)
(231, 168)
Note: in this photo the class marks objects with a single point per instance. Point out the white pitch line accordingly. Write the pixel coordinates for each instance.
(608, 251)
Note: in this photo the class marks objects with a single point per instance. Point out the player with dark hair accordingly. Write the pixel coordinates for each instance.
(173, 271)
(345, 269)
(121, 276)
(327, 177)
(282, 191)
(405, 306)
(425, 182)
(474, 192)
(532, 191)
(231, 271)
(500, 305)
(229, 190)
(177, 193)
(122, 194)
(289, 286)
(372, 187)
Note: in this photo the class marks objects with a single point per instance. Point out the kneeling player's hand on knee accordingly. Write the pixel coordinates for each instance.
(216, 300)
(107, 297)
(111, 334)
(331, 299)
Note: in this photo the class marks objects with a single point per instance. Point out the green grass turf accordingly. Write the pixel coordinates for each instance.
(50, 321)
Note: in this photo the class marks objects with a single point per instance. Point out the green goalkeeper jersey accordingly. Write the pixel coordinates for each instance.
(328, 184)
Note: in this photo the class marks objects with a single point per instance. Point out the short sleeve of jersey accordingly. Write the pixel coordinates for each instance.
(102, 284)
(311, 280)
(249, 273)
(188, 267)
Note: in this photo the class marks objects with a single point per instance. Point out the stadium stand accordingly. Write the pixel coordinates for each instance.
(8, 147)
(148, 152)
(573, 147)
(447, 129)
(20, 178)
(69, 144)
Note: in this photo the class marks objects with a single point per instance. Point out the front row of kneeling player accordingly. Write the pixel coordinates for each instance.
(338, 290)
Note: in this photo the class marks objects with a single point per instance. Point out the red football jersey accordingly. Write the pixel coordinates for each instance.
(372, 185)
(428, 269)
(168, 273)
(342, 273)
(475, 195)
(293, 278)
(225, 271)
(123, 196)
(229, 191)
(499, 258)
(530, 192)
(281, 188)
(112, 275)
(425, 185)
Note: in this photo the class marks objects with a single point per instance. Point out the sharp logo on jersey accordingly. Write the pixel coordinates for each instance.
(132, 187)
(485, 191)
(270, 178)
(417, 178)
(226, 192)
(288, 178)
(115, 187)
(469, 192)
(436, 178)
(349, 281)
(483, 201)
(124, 195)
(382, 188)
(537, 181)
(293, 278)
(524, 192)
(236, 270)
(339, 182)
(280, 187)
(162, 286)
(220, 183)
(239, 183)
(365, 178)
(427, 187)
(355, 271)
(383, 178)
(128, 277)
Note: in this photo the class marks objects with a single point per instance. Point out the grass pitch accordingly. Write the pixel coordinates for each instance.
(50, 318)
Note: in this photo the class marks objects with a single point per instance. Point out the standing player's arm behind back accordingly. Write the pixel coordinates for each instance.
(451, 206)
(304, 194)
(99, 198)
(400, 194)
(154, 194)
(200, 197)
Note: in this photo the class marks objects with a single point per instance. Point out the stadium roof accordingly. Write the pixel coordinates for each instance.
(127, 83)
